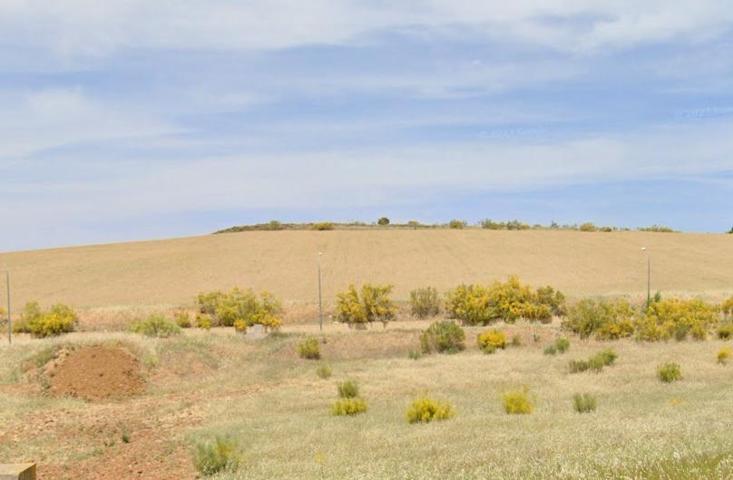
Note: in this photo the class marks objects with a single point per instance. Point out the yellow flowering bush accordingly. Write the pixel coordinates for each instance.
(372, 304)
(676, 318)
(348, 407)
(491, 340)
(55, 321)
(425, 410)
(604, 319)
(225, 309)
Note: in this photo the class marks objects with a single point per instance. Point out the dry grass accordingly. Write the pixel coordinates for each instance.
(165, 274)
(261, 393)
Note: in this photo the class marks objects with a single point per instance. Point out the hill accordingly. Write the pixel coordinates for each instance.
(172, 272)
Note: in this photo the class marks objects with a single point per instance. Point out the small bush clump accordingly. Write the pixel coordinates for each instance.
(323, 226)
(155, 325)
(182, 319)
(669, 372)
(424, 302)
(550, 350)
(604, 358)
(491, 340)
(221, 454)
(372, 304)
(443, 337)
(323, 371)
(348, 389)
(309, 349)
(516, 340)
(425, 410)
(457, 224)
(562, 344)
(725, 331)
(584, 403)
(517, 402)
(348, 407)
(414, 355)
(52, 322)
(727, 307)
(724, 354)
(203, 321)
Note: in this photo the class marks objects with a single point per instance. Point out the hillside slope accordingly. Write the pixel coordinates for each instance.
(172, 272)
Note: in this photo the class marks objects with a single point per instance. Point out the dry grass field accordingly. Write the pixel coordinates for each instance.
(159, 274)
(259, 392)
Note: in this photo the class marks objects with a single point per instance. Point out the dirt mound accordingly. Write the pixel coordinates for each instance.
(95, 373)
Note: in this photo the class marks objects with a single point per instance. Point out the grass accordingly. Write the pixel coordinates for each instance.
(269, 400)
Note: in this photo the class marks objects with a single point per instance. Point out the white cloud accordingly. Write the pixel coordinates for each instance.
(90, 27)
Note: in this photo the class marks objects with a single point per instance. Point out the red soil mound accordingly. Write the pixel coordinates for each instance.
(95, 373)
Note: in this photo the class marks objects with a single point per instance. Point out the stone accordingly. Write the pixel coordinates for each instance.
(18, 471)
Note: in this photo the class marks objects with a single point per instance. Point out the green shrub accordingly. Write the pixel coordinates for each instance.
(443, 337)
(604, 319)
(155, 325)
(309, 349)
(550, 350)
(588, 227)
(725, 331)
(383, 221)
(508, 301)
(323, 371)
(424, 302)
(348, 389)
(562, 344)
(676, 318)
(425, 410)
(348, 407)
(221, 454)
(55, 321)
(516, 340)
(373, 304)
(457, 224)
(578, 366)
(607, 357)
(584, 403)
(225, 309)
(323, 226)
(182, 319)
(517, 402)
(491, 340)
(724, 354)
(414, 355)
(669, 372)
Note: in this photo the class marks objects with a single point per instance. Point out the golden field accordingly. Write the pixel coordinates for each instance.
(170, 273)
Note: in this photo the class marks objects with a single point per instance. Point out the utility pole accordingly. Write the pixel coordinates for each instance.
(320, 293)
(10, 322)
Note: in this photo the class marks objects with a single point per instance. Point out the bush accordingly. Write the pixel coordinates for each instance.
(218, 455)
(578, 366)
(562, 344)
(443, 337)
(155, 325)
(323, 226)
(516, 340)
(240, 326)
(490, 340)
(604, 358)
(724, 355)
(604, 319)
(425, 410)
(424, 302)
(457, 224)
(725, 331)
(669, 372)
(550, 350)
(508, 301)
(676, 318)
(517, 402)
(55, 321)
(348, 389)
(373, 304)
(348, 406)
(203, 321)
(588, 227)
(414, 355)
(309, 349)
(727, 307)
(384, 221)
(224, 309)
(323, 371)
(182, 319)
(584, 403)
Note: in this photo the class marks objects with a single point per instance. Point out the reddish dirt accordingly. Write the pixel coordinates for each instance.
(95, 373)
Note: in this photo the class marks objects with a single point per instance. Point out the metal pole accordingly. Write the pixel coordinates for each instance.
(320, 293)
(10, 322)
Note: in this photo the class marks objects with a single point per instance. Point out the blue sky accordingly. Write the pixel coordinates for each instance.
(124, 120)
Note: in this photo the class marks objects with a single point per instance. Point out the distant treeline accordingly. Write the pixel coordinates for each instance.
(456, 224)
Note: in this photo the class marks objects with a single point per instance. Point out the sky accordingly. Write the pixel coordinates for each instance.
(129, 120)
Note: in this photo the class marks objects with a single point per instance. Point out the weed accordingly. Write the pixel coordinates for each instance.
(584, 403)
(218, 455)
(348, 389)
(323, 371)
(309, 349)
(669, 372)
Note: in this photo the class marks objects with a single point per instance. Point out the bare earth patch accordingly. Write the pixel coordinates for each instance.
(95, 373)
